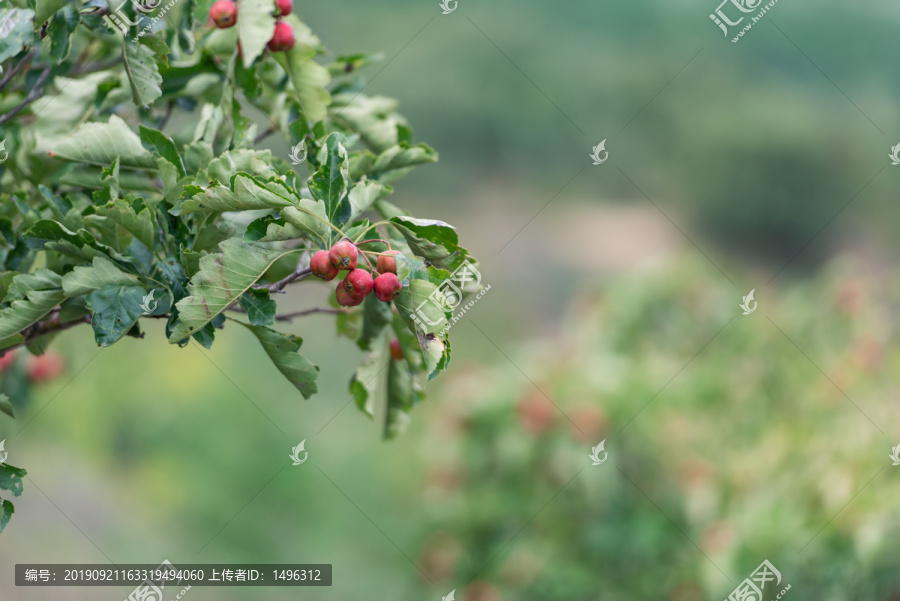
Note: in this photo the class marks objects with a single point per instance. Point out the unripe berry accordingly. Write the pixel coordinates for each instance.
(284, 7)
(343, 255)
(283, 38)
(223, 14)
(396, 350)
(321, 267)
(345, 297)
(359, 282)
(386, 264)
(387, 286)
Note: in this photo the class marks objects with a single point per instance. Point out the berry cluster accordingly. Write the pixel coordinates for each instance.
(223, 15)
(358, 283)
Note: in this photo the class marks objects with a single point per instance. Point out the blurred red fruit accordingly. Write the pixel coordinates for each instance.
(481, 591)
(396, 350)
(7, 360)
(588, 423)
(282, 39)
(45, 367)
(536, 413)
(284, 7)
(223, 14)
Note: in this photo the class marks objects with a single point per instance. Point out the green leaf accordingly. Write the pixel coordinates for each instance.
(143, 73)
(140, 225)
(420, 307)
(115, 310)
(308, 78)
(6, 512)
(255, 27)
(11, 478)
(365, 382)
(60, 32)
(52, 235)
(393, 163)
(110, 178)
(222, 278)
(436, 353)
(436, 241)
(100, 143)
(44, 9)
(330, 182)
(15, 31)
(157, 141)
(102, 273)
(31, 296)
(364, 194)
(248, 195)
(259, 306)
(5, 406)
(282, 350)
(402, 393)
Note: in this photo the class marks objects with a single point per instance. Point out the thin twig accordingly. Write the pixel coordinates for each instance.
(19, 66)
(42, 328)
(98, 66)
(35, 93)
(278, 286)
(165, 119)
(290, 316)
(264, 134)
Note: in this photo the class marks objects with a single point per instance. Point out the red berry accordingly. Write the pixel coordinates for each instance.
(359, 282)
(284, 7)
(321, 267)
(283, 38)
(223, 14)
(387, 286)
(343, 255)
(386, 264)
(396, 350)
(45, 367)
(7, 360)
(345, 297)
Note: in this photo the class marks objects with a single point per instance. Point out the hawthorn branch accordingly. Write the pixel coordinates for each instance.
(290, 316)
(36, 92)
(19, 66)
(280, 285)
(42, 328)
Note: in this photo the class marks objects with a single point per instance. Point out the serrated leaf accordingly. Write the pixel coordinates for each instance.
(436, 241)
(15, 31)
(330, 182)
(222, 278)
(255, 27)
(393, 163)
(11, 478)
(100, 143)
(282, 350)
(155, 140)
(140, 225)
(365, 381)
(60, 32)
(364, 194)
(102, 273)
(52, 235)
(376, 315)
(143, 73)
(115, 310)
(32, 296)
(259, 307)
(308, 78)
(420, 307)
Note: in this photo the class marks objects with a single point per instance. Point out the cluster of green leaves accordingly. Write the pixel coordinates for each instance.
(135, 188)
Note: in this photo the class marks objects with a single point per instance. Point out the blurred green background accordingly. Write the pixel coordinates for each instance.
(613, 315)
